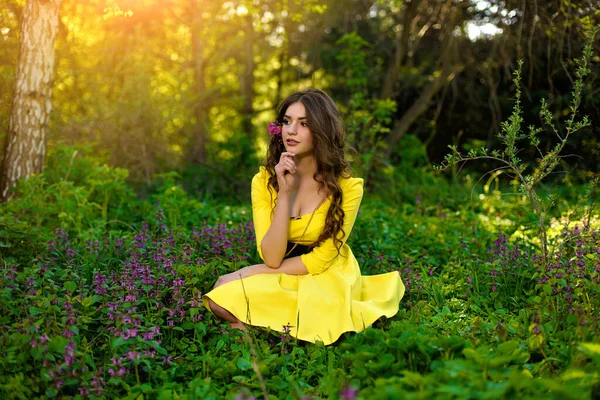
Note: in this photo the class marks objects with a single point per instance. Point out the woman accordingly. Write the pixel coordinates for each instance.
(304, 204)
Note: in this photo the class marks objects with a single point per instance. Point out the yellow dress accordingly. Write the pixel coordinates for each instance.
(332, 298)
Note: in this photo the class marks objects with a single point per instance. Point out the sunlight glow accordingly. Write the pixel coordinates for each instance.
(241, 11)
(267, 17)
(111, 12)
(482, 29)
(476, 31)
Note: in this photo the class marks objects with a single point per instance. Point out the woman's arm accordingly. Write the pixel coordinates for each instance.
(274, 243)
(290, 266)
(271, 235)
(322, 256)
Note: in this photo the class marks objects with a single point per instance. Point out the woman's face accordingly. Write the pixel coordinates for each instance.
(296, 136)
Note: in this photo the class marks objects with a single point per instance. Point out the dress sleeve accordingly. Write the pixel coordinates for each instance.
(321, 257)
(261, 207)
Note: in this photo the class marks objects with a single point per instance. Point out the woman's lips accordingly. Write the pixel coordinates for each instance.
(291, 142)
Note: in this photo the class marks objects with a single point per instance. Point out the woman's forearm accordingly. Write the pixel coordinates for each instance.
(274, 243)
(290, 266)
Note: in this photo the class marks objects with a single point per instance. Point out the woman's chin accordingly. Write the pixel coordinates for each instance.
(297, 150)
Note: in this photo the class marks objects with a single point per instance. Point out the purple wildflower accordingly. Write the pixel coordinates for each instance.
(349, 393)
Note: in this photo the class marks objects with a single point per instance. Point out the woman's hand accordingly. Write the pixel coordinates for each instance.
(285, 170)
(242, 273)
(223, 279)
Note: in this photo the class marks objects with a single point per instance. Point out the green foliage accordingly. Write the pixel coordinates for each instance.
(143, 97)
(367, 118)
(226, 176)
(512, 133)
(71, 163)
(72, 194)
(116, 311)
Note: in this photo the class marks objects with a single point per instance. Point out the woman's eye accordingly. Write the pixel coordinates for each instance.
(288, 122)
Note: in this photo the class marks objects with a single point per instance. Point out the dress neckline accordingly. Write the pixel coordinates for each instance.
(299, 217)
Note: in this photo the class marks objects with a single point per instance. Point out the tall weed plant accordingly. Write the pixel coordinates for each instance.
(529, 179)
(556, 286)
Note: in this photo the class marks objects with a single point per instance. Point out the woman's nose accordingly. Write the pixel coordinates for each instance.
(292, 128)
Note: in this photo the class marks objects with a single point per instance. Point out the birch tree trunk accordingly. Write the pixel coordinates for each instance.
(25, 148)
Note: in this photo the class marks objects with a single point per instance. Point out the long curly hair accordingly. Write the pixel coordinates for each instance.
(329, 145)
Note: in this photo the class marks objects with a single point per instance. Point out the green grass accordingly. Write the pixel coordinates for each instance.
(100, 298)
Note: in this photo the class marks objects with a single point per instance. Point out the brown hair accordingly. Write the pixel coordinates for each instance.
(329, 141)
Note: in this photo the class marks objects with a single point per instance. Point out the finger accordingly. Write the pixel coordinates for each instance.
(291, 162)
(280, 169)
(283, 169)
(286, 154)
(285, 163)
(290, 167)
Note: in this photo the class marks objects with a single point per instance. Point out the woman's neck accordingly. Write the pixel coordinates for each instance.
(306, 167)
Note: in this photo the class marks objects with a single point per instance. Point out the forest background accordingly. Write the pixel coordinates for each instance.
(159, 120)
(156, 86)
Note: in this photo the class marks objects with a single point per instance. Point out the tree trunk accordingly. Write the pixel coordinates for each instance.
(394, 65)
(248, 78)
(25, 148)
(199, 134)
(422, 103)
